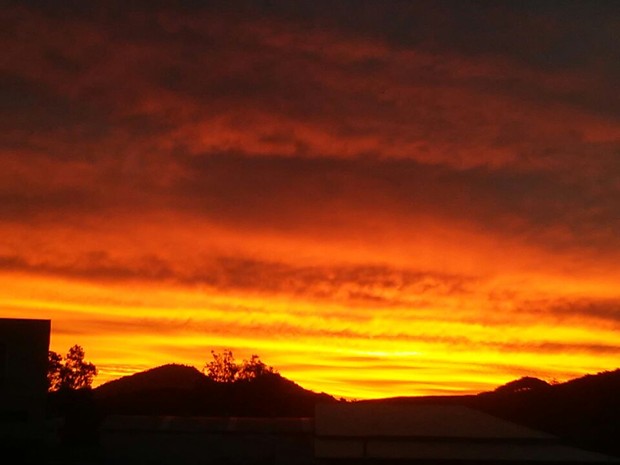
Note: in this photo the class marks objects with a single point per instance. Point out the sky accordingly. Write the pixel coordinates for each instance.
(378, 198)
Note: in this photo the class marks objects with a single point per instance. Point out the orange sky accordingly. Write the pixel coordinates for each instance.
(377, 198)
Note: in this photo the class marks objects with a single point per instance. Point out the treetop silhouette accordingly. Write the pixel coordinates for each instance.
(224, 369)
(70, 372)
(524, 384)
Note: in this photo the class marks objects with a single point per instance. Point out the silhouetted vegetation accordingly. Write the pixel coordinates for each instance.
(71, 398)
(224, 369)
(70, 372)
(525, 384)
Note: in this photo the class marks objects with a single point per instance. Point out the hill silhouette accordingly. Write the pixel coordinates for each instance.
(183, 390)
(584, 411)
(171, 376)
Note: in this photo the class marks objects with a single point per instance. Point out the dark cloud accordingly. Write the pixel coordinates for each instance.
(606, 310)
(283, 191)
(158, 71)
(322, 197)
(96, 266)
(362, 285)
(52, 205)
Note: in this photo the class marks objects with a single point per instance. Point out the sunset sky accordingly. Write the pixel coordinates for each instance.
(379, 198)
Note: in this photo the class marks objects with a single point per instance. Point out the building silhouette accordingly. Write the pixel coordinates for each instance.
(24, 346)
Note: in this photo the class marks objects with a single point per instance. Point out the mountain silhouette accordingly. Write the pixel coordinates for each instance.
(584, 411)
(183, 390)
(171, 376)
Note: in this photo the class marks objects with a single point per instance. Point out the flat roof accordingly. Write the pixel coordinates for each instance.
(359, 419)
(25, 320)
(145, 423)
(457, 451)
(429, 433)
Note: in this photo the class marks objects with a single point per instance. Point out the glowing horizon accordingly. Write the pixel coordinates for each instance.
(375, 207)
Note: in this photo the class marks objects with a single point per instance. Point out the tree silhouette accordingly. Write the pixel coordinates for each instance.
(72, 372)
(524, 384)
(253, 368)
(224, 369)
(54, 366)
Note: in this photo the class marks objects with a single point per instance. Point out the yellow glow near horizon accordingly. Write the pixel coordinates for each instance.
(126, 329)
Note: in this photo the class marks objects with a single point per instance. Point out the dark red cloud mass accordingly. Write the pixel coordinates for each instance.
(341, 170)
